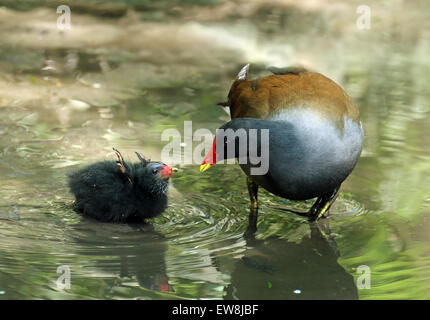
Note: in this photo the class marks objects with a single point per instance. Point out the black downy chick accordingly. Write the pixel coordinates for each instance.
(115, 191)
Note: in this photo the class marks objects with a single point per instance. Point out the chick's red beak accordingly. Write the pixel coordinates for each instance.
(210, 159)
(167, 171)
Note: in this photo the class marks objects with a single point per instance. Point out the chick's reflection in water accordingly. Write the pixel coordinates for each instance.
(148, 266)
(277, 269)
(137, 252)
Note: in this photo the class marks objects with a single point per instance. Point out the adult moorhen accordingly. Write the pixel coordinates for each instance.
(116, 191)
(315, 135)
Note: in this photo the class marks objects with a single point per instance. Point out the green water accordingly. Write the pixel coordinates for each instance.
(127, 71)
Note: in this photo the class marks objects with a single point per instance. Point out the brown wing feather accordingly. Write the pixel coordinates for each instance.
(283, 91)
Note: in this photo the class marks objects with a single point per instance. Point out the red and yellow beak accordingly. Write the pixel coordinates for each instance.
(167, 171)
(210, 159)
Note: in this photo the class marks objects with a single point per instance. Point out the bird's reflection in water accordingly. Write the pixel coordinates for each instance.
(137, 252)
(277, 269)
(148, 266)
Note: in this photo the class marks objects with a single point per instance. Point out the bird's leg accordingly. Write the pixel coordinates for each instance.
(253, 192)
(323, 204)
(253, 214)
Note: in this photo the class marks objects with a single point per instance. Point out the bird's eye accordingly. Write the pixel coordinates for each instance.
(154, 171)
